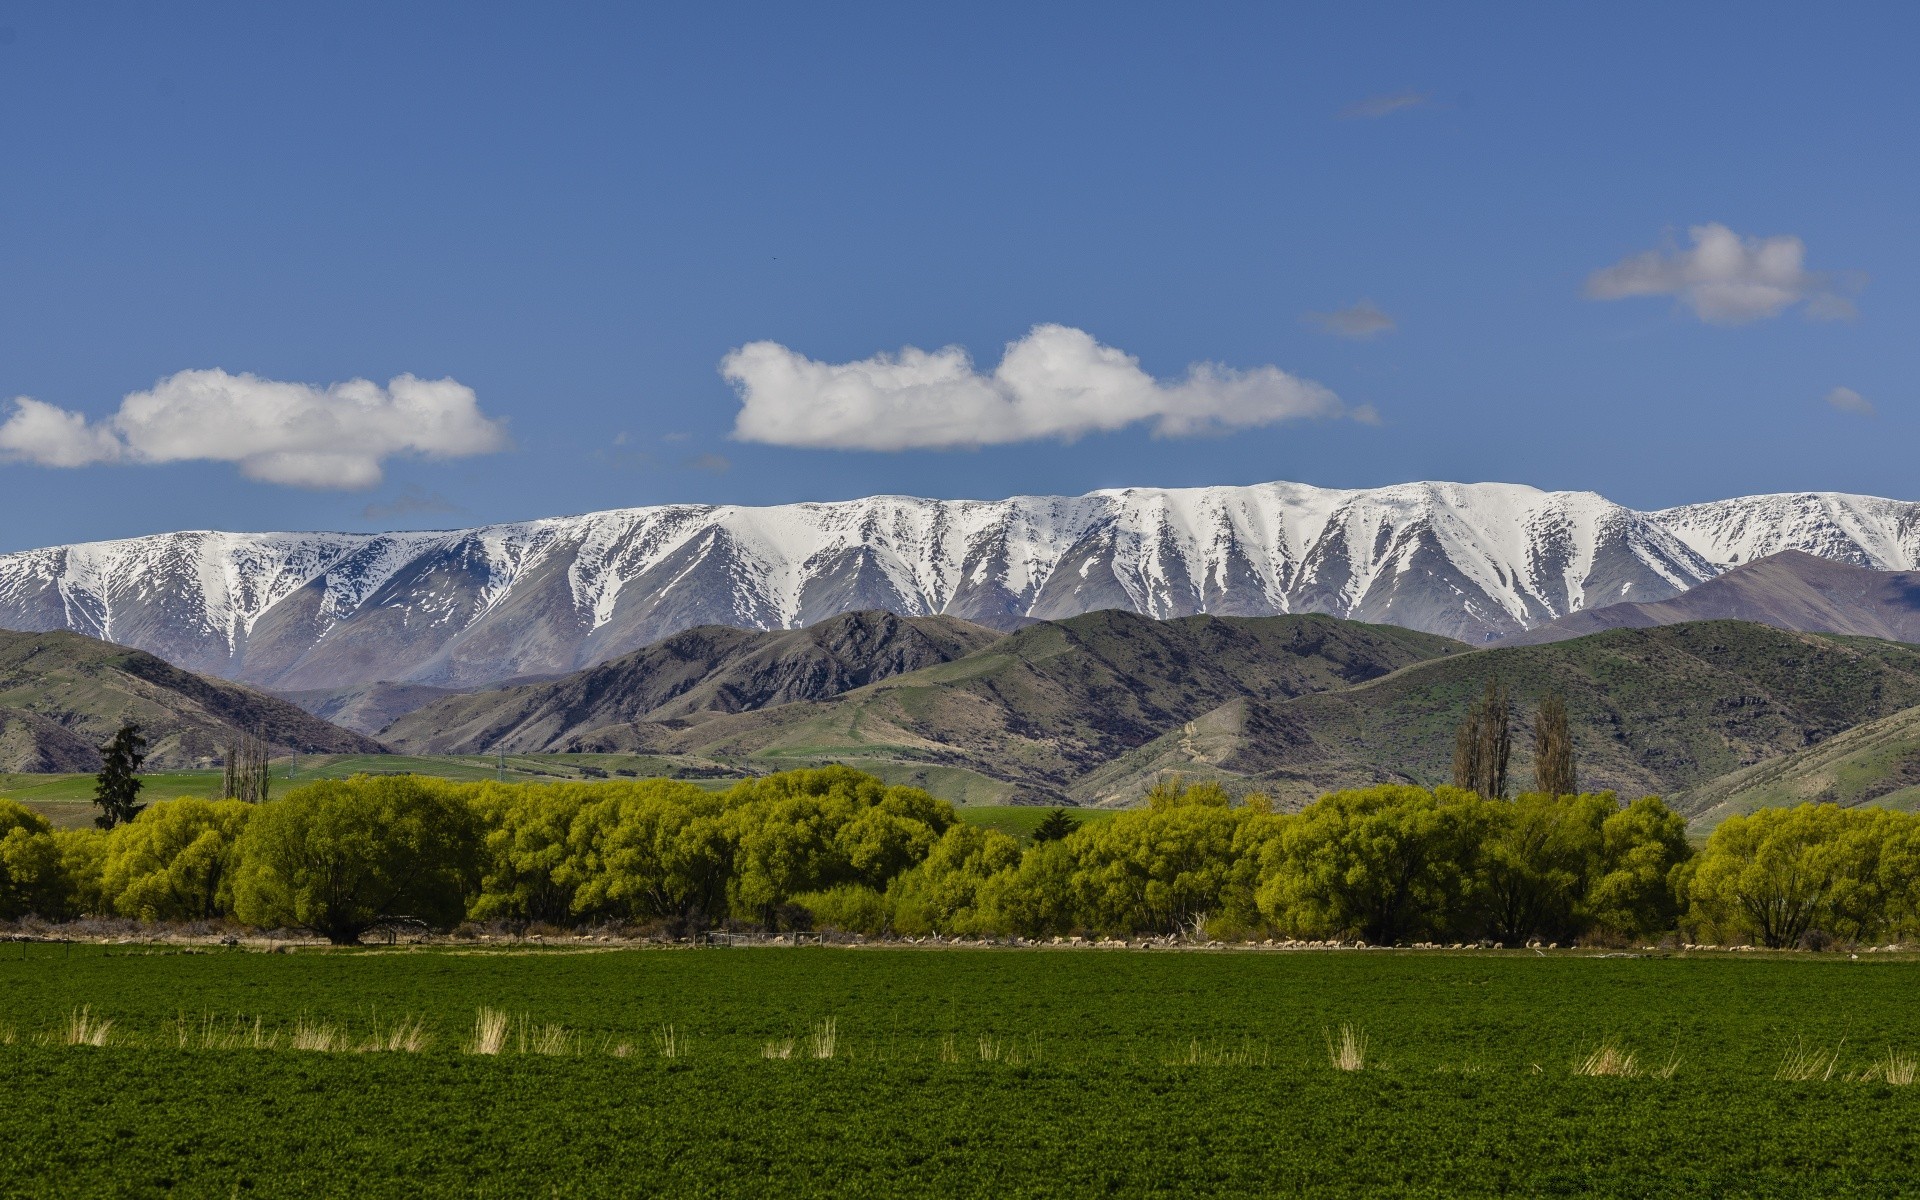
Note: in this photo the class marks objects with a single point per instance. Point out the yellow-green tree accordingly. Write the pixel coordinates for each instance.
(948, 892)
(338, 856)
(1386, 863)
(174, 861)
(1777, 874)
(31, 877)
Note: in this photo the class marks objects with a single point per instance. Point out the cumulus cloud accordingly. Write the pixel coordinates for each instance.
(290, 433)
(1847, 400)
(1055, 382)
(1727, 279)
(1360, 321)
(1384, 105)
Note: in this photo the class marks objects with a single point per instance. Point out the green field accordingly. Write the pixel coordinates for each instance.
(957, 1072)
(67, 800)
(1020, 820)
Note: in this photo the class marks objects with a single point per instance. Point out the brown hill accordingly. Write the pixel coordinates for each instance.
(687, 678)
(63, 695)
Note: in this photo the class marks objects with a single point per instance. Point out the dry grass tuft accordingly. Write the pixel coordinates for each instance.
(410, 1036)
(1801, 1063)
(1609, 1059)
(545, 1039)
(489, 1032)
(672, 1044)
(1896, 1068)
(317, 1035)
(85, 1029)
(782, 1048)
(949, 1052)
(1245, 1055)
(621, 1050)
(825, 1039)
(1348, 1052)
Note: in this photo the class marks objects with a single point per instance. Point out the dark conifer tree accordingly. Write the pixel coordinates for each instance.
(1056, 825)
(117, 788)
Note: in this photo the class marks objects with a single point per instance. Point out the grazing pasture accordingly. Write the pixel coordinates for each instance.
(853, 1072)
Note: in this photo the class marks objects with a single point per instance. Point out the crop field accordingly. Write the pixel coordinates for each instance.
(875, 1072)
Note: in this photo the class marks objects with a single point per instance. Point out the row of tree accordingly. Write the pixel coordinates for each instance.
(837, 848)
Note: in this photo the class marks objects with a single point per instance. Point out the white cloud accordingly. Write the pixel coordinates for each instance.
(1056, 382)
(1847, 400)
(1726, 279)
(1361, 321)
(288, 433)
(1384, 105)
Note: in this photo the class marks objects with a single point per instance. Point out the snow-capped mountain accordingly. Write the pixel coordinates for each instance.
(472, 606)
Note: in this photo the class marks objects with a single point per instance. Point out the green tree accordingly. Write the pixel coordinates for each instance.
(174, 862)
(1054, 826)
(1387, 863)
(947, 892)
(1160, 868)
(1537, 856)
(338, 856)
(32, 880)
(655, 848)
(1644, 858)
(1553, 767)
(1778, 873)
(116, 789)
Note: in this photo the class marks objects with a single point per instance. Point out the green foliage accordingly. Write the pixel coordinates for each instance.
(1538, 854)
(1161, 868)
(1644, 864)
(117, 787)
(947, 892)
(1781, 874)
(174, 862)
(1385, 863)
(336, 857)
(849, 908)
(32, 879)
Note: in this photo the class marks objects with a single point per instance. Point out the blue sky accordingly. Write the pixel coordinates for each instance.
(578, 213)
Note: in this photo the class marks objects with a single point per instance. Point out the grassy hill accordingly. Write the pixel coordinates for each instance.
(1041, 707)
(1653, 711)
(63, 695)
(1875, 763)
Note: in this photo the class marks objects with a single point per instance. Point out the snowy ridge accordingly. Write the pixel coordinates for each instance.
(1474, 561)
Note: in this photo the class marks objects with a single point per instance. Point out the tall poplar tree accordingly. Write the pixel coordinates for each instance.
(1553, 769)
(1484, 744)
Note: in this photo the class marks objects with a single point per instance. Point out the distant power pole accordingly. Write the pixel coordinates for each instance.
(500, 768)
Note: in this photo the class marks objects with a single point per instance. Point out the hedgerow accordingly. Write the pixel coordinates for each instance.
(835, 848)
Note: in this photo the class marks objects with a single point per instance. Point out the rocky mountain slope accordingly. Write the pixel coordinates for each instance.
(63, 695)
(1660, 710)
(1788, 590)
(1041, 707)
(465, 608)
(701, 673)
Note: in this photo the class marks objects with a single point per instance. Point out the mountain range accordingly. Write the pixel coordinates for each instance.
(327, 615)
